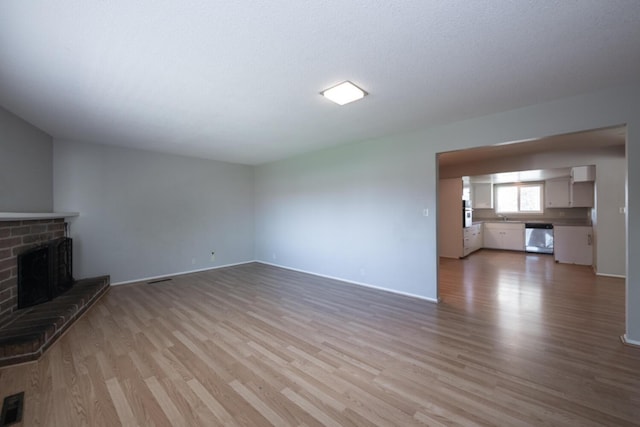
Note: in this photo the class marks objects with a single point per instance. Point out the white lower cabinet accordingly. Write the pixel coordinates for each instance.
(478, 242)
(472, 239)
(492, 238)
(504, 236)
(573, 245)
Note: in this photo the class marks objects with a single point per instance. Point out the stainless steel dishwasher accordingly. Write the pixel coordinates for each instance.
(538, 237)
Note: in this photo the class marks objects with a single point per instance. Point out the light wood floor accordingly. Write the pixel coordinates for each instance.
(516, 340)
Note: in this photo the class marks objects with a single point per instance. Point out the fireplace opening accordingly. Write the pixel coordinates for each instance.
(44, 272)
(33, 277)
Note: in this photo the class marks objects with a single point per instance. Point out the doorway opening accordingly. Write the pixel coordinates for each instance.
(604, 149)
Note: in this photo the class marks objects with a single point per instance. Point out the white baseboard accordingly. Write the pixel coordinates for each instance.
(164, 276)
(366, 285)
(627, 341)
(617, 276)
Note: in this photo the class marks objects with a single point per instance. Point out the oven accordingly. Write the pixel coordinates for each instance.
(467, 214)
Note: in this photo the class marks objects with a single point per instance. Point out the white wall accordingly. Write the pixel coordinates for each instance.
(450, 232)
(145, 214)
(25, 166)
(360, 206)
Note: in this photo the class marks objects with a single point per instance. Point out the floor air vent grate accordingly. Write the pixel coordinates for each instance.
(158, 281)
(12, 409)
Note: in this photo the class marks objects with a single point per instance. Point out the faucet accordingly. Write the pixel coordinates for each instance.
(504, 218)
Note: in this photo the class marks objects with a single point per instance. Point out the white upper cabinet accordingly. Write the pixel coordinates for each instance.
(583, 174)
(557, 193)
(482, 195)
(562, 193)
(582, 195)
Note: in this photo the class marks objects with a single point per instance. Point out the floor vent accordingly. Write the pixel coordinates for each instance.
(158, 281)
(12, 409)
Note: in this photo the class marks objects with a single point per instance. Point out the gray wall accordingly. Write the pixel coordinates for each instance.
(357, 207)
(353, 212)
(25, 166)
(145, 214)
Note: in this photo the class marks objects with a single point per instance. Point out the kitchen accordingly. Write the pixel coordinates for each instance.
(580, 180)
(539, 211)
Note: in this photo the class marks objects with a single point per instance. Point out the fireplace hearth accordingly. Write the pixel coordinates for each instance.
(33, 317)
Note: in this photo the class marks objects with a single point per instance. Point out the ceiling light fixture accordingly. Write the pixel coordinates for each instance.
(344, 93)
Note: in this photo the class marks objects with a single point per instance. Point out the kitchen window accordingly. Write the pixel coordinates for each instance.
(519, 198)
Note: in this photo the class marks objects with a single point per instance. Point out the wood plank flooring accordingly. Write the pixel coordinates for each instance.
(517, 340)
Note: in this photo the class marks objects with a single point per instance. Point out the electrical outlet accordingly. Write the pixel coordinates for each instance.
(193, 261)
(273, 255)
(213, 256)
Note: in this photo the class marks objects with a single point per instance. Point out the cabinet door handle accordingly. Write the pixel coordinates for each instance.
(589, 239)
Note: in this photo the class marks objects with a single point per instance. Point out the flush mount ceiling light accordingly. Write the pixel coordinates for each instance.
(344, 93)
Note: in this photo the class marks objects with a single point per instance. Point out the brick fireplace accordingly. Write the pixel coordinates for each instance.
(17, 237)
(26, 333)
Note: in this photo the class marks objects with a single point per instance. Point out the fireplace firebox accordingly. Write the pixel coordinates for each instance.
(45, 272)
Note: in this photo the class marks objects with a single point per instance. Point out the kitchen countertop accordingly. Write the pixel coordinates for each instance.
(555, 221)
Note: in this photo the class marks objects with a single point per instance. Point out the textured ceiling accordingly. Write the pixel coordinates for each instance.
(238, 80)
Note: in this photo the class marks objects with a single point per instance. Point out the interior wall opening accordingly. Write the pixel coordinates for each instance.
(551, 162)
